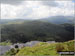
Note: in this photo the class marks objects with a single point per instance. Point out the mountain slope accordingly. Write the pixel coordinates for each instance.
(35, 30)
(13, 21)
(59, 19)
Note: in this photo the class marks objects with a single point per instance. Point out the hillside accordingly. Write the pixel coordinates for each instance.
(13, 21)
(44, 48)
(59, 19)
(36, 30)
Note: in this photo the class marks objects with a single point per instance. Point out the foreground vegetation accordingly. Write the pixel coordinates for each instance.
(43, 48)
(5, 43)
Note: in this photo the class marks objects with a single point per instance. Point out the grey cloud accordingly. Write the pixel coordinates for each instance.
(14, 2)
(50, 3)
(17, 2)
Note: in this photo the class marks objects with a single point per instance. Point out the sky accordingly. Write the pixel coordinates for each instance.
(30, 9)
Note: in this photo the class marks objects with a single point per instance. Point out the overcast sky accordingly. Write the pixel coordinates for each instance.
(14, 9)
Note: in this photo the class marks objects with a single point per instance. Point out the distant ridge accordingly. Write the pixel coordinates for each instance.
(59, 19)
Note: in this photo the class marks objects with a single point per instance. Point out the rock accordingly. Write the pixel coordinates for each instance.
(4, 49)
(31, 43)
(50, 42)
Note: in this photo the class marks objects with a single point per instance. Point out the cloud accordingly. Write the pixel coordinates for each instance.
(13, 2)
(36, 9)
(49, 3)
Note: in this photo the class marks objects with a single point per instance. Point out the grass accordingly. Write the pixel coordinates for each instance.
(46, 49)
(5, 43)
